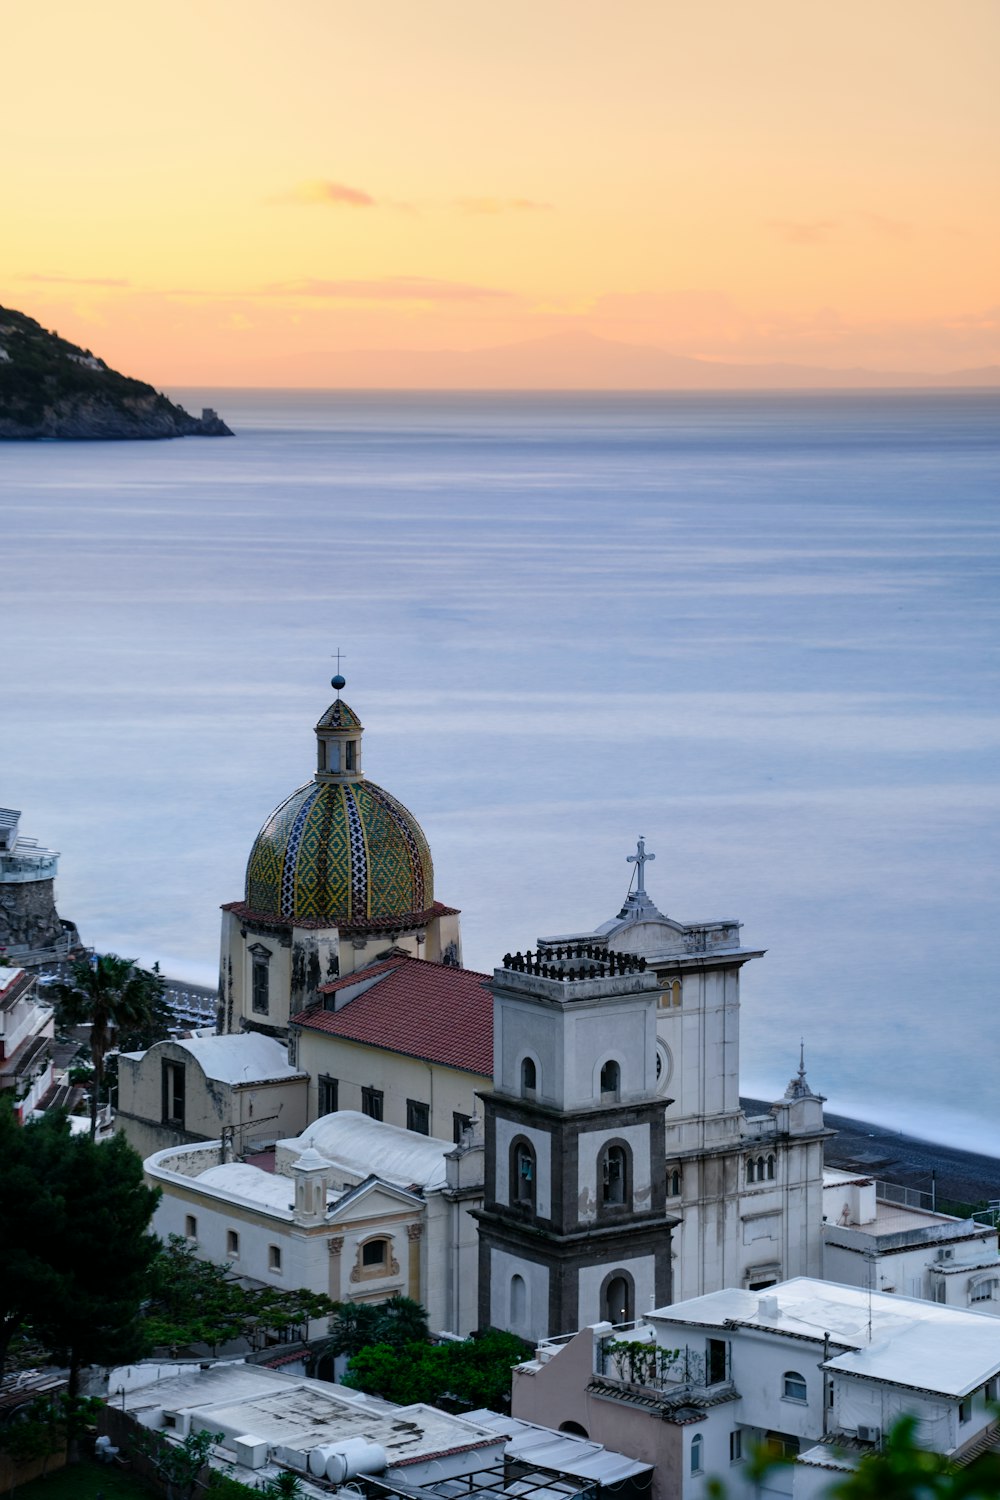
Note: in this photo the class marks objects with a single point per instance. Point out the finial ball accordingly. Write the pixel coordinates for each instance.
(338, 682)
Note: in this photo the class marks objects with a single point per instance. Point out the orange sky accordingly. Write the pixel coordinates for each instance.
(212, 192)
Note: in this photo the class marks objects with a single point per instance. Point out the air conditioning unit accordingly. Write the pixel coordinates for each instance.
(946, 1254)
(869, 1434)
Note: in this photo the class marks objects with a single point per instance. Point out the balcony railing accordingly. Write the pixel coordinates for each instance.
(648, 1366)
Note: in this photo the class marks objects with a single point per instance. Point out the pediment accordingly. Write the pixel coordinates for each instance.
(372, 1198)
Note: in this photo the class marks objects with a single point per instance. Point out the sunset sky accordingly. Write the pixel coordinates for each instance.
(213, 193)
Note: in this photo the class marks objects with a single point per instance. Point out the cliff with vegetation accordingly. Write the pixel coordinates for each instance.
(50, 388)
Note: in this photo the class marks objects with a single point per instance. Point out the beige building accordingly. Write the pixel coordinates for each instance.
(404, 1041)
(339, 875)
(353, 1208)
(240, 1091)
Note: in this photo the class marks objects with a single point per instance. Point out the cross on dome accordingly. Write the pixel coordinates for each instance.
(337, 681)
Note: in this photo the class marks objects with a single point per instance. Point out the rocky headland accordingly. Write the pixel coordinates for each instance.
(50, 388)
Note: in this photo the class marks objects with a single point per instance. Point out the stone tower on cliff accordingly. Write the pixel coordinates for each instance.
(31, 930)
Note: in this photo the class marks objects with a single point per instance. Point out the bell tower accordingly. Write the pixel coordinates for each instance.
(574, 1228)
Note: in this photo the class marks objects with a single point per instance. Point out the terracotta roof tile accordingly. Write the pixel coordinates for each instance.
(432, 1011)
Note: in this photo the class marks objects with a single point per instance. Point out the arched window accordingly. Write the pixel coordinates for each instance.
(529, 1076)
(611, 1080)
(670, 993)
(523, 1173)
(770, 1168)
(574, 1429)
(375, 1254)
(697, 1444)
(751, 1170)
(985, 1289)
(375, 1259)
(673, 1182)
(618, 1300)
(614, 1176)
(793, 1386)
(518, 1302)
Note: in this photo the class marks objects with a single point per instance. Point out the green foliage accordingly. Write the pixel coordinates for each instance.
(43, 372)
(397, 1322)
(112, 996)
(640, 1361)
(41, 1429)
(193, 1301)
(473, 1372)
(177, 1464)
(285, 1486)
(75, 1248)
(905, 1471)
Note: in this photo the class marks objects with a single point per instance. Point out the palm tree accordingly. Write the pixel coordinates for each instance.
(109, 994)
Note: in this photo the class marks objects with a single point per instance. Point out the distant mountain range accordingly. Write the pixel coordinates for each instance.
(578, 361)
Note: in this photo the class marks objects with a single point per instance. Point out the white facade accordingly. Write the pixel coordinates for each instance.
(869, 1241)
(748, 1192)
(26, 1029)
(814, 1370)
(354, 1209)
(811, 1365)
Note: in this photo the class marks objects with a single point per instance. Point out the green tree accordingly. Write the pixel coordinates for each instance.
(32, 1216)
(112, 996)
(467, 1372)
(905, 1471)
(178, 1465)
(100, 1258)
(397, 1322)
(193, 1301)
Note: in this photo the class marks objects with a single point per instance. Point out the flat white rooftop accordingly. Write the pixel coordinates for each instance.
(286, 1409)
(902, 1340)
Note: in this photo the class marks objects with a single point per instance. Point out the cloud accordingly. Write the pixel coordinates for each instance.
(388, 289)
(892, 229)
(501, 205)
(804, 231)
(74, 280)
(337, 194)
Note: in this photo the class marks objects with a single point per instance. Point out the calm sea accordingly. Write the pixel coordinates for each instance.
(759, 630)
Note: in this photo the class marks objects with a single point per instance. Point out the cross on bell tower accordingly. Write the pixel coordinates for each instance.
(640, 859)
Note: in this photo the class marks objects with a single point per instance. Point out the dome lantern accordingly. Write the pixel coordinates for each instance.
(338, 740)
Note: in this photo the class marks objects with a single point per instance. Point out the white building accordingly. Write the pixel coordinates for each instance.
(354, 1208)
(270, 1422)
(814, 1370)
(26, 1029)
(870, 1241)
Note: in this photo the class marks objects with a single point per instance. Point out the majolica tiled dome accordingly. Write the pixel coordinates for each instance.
(340, 849)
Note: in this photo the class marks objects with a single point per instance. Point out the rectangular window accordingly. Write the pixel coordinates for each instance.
(418, 1117)
(371, 1103)
(173, 1094)
(232, 1242)
(459, 1125)
(964, 1410)
(190, 1227)
(260, 986)
(327, 1094)
(735, 1445)
(274, 1257)
(716, 1363)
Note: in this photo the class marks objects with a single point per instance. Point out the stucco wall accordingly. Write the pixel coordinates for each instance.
(446, 1090)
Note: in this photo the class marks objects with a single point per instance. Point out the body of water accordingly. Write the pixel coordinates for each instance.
(759, 630)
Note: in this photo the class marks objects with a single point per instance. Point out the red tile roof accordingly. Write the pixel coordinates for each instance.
(370, 924)
(432, 1011)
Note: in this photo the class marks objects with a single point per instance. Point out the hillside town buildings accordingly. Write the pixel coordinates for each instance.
(815, 1371)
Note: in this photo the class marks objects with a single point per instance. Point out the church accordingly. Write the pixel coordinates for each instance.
(599, 1071)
